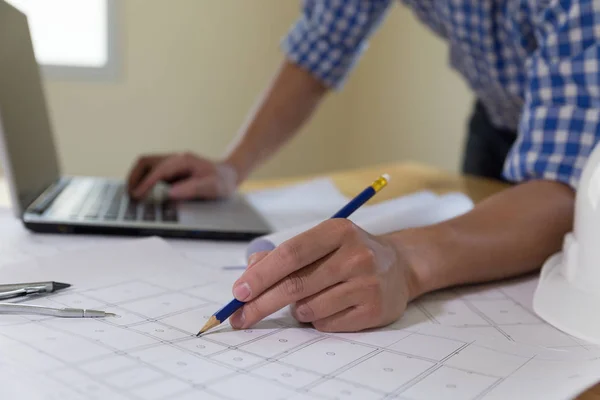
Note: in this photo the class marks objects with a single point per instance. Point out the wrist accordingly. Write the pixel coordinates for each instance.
(421, 250)
(239, 167)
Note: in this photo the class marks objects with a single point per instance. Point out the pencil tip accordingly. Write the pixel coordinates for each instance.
(211, 323)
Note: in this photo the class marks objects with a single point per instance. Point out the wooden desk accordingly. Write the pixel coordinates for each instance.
(406, 178)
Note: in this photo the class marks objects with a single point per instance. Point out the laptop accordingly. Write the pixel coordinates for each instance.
(48, 201)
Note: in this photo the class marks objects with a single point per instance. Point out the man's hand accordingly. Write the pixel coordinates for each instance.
(336, 276)
(191, 176)
(342, 279)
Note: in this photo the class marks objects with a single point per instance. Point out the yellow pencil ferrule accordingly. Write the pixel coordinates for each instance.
(381, 182)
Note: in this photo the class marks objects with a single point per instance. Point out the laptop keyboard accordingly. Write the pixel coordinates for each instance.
(109, 201)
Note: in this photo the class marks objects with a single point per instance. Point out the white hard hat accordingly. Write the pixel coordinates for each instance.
(568, 292)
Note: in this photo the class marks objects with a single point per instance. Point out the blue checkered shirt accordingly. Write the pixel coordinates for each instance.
(532, 63)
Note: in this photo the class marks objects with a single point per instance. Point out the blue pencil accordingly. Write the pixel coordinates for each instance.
(353, 205)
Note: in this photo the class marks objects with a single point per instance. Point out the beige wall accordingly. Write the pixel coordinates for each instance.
(407, 100)
(192, 70)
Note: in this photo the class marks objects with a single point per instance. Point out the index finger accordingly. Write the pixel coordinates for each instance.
(141, 168)
(164, 170)
(292, 255)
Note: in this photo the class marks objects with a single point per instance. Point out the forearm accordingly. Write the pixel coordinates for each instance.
(286, 105)
(508, 234)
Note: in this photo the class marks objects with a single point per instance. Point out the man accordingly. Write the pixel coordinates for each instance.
(534, 66)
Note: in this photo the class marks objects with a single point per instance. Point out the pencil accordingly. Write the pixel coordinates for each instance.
(353, 205)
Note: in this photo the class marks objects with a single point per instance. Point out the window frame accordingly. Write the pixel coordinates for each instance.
(108, 72)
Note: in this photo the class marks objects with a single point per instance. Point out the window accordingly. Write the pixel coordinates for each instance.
(72, 38)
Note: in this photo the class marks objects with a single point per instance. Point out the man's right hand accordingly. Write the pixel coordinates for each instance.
(190, 176)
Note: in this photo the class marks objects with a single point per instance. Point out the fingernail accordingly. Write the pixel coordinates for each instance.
(241, 291)
(237, 320)
(252, 260)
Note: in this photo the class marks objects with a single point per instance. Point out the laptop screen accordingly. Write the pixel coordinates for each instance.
(29, 154)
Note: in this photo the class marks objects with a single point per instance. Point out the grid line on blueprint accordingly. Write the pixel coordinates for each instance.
(492, 310)
(482, 394)
(153, 348)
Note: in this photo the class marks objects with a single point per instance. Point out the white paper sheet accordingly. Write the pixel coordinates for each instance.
(441, 348)
(17, 244)
(293, 205)
(418, 209)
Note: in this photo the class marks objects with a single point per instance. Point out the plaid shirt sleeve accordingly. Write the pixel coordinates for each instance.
(560, 124)
(331, 35)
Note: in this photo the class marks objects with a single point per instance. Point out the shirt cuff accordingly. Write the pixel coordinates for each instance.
(555, 145)
(328, 57)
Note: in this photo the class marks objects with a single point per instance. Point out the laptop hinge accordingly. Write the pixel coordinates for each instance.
(43, 201)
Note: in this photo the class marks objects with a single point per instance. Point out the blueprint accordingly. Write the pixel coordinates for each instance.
(440, 348)
(163, 292)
